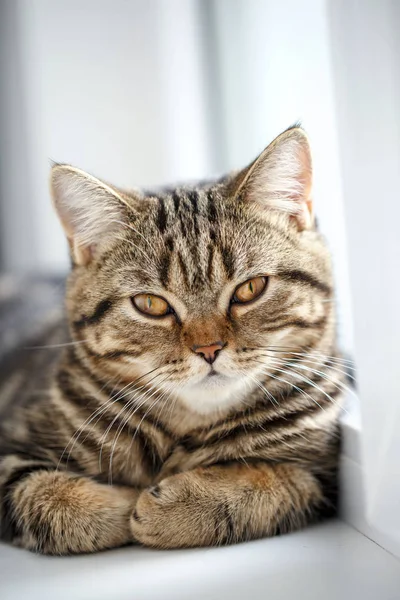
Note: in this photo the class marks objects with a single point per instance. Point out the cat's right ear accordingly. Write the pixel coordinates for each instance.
(90, 210)
(280, 178)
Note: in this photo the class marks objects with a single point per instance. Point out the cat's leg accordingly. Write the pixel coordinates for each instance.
(225, 504)
(55, 512)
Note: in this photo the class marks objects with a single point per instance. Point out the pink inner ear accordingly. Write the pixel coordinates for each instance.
(304, 217)
(82, 255)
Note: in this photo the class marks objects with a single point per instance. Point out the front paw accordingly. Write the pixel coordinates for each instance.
(174, 514)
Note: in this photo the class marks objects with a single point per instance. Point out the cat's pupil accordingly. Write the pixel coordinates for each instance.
(251, 287)
(149, 302)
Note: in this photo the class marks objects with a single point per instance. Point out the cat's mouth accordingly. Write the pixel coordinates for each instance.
(214, 377)
(212, 373)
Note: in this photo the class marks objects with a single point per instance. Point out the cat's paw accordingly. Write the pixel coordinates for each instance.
(174, 514)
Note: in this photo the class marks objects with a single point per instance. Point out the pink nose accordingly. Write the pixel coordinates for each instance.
(209, 353)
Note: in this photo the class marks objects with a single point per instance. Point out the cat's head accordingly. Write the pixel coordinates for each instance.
(198, 291)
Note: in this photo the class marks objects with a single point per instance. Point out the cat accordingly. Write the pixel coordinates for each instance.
(198, 400)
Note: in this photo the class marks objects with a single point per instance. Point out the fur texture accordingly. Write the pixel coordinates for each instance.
(136, 437)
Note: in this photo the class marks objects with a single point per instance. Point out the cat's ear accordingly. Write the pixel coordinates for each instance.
(281, 177)
(90, 211)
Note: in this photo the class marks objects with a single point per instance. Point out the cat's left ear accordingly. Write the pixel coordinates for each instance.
(90, 210)
(281, 178)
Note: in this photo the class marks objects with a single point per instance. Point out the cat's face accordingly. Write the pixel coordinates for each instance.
(199, 292)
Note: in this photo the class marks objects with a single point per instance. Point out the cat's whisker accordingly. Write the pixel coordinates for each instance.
(262, 388)
(289, 350)
(98, 412)
(131, 389)
(323, 357)
(338, 384)
(145, 399)
(132, 408)
(291, 384)
(174, 401)
(74, 438)
(166, 394)
(175, 388)
(51, 346)
(331, 366)
(309, 382)
(126, 406)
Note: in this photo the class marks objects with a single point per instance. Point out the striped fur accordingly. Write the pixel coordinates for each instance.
(130, 438)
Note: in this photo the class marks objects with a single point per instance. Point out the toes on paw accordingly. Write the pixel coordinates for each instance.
(135, 515)
(155, 491)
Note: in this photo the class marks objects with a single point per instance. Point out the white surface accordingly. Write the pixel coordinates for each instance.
(366, 53)
(326, 562)
(115, 88)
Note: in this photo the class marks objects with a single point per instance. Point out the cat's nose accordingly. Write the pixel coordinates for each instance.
(209, 352)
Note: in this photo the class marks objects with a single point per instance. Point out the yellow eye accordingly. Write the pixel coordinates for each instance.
(151, 305)
(250, 290)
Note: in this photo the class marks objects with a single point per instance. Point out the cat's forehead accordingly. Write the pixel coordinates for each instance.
(198, 238)
(196, 226)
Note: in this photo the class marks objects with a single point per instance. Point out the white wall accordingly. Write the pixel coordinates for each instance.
(116, 88)
(366, 56)
(17, 239)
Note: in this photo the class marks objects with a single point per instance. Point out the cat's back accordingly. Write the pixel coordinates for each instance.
(33, 333)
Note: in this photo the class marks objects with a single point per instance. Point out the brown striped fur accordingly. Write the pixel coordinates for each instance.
(132, 439)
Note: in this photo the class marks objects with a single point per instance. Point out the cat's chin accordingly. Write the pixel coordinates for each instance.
(214, 392)
(215, 380)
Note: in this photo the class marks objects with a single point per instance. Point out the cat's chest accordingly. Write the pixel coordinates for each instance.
(139, 459)
(134, 456)
(155, 448)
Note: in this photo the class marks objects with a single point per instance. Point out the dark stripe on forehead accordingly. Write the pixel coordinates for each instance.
(183, 268)
(101, 309)
(192, 232)
(194, 197)
(161, 216)
(213, 234)
(183, 225)
(176, 200)
(307, 278)
(163, 270)
(228, 261)
(169, 242)
(210, 261)
(211, 210)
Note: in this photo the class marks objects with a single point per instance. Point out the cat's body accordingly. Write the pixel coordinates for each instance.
(214, 418)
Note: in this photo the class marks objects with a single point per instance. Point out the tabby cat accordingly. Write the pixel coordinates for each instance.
(197, 400)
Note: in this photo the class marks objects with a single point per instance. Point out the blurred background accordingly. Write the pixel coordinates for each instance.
(149, 92)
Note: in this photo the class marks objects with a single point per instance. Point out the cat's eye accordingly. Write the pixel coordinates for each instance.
(151, 305)
(250, 290)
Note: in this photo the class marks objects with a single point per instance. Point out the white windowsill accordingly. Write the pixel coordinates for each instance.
(328, 561)
(353, 494)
